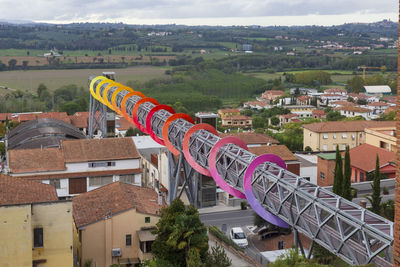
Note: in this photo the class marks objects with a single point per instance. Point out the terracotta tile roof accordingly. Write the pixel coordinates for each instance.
(280, 150)
(27, 117)
(390, 99)
(304, 97)
(252, 138)
(346, 126)
(337, 95)
(364, 157)
(354, 109)
(295, 120)
(3, 116)
(63, 116)
(85, 150)
(111, 199)
(318, 112)
(390, 109)
(274, 92)
(378, 104)
(124, 124)
(257, 103)
(81, 174)
(79, 121)
(289, 115)
(18, 191)
(343, 103)
(35, 160)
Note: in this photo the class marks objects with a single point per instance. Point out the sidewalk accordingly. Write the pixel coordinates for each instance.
(218, 208)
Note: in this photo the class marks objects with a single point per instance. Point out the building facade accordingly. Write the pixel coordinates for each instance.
(384, 137)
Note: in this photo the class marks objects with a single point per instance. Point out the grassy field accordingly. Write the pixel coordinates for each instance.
(53, 79)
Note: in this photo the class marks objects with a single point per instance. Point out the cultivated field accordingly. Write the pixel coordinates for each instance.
(53, 79)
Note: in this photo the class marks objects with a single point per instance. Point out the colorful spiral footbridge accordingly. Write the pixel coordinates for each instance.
(282, 198)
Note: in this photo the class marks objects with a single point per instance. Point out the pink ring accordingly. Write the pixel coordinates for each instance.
(185, 146)
(148, 121)
(167, 123)
(248, 189)
(136, 108)
(213, 164)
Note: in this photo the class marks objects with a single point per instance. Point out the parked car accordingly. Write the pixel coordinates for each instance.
(238, 236)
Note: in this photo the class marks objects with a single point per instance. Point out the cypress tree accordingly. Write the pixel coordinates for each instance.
(375, 199)
(338, 180)
(346, 190)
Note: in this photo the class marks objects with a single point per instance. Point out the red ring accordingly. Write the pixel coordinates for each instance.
(123, 104)
(135, 110)
(167, 123)
(185, 146)
(148, 121)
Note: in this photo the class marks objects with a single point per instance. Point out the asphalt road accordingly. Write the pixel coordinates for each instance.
(233, 218)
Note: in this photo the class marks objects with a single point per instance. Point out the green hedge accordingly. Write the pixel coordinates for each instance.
(218, 234)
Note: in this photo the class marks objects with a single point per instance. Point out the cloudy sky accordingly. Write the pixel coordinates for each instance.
(202, 12)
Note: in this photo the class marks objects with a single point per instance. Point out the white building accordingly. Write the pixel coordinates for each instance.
(377, 108)
(352, 111)
(78, 166)
(377, 90)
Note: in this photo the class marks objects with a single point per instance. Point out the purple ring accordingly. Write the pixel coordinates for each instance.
(213, 164)
(248, 190)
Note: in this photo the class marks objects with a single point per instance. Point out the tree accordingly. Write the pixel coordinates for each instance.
(2, 149)
(258, 122)
(25, 64)
(179, 229)
(355, 84)
(346, 190)
(70, 107)
(338, 180)
(274, 120)
(193, 258)
(376, 198)
(334, 116)
(12, 63)
(218, 258)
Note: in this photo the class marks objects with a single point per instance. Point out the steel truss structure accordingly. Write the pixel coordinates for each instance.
(97, 118)
(353, 233)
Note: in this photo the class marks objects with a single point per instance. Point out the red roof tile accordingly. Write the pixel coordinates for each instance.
(354, 109)
(111, 199)
(18, 191)
(318, 112)
(279, 150)
(252, 138)
(3, 116)
(35, 160)
(124, 124)
(240, 117)
(79, 121)
(85, 150)
(364, 157)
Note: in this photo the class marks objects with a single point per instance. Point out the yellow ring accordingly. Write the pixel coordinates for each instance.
(92, 84)
(114, 96)
(98, 97)
(108, 87)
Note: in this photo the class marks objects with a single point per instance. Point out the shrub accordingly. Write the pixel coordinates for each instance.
(243, 205)
(385, 190)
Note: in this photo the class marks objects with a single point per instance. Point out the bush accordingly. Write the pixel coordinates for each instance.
(354, 192)
(243, 205)
(308, 149)
(385, 190)
(218, 234)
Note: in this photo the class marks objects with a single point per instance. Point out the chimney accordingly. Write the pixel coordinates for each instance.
(160, 202)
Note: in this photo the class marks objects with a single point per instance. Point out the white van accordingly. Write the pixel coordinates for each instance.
(237, 235)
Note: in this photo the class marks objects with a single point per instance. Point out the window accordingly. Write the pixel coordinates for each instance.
(101, 164)
(325, 147)
(355, 175)
(322, 175)
(343, 147)
(334, 136)
(353, 137)
(55, 183)
(325, 136)
(344, 135)
(38, 237)
(129, 178)
(100, 180)
(361, 177)
(128, 240)
(334, 147)
(147, 219)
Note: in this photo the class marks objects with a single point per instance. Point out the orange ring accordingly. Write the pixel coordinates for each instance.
(123, 104)
(168, 143)
(136, 108)
(97, 89)
(114, 96)
(185, 146)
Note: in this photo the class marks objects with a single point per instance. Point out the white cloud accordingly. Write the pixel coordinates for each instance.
(209, 11)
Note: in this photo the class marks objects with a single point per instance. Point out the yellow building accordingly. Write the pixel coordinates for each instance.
(302, 111)
(115, 223)
(227, 112)
(36, 229)
(384, 137)
(324, 136)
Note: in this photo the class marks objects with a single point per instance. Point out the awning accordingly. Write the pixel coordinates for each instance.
(146, 235)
